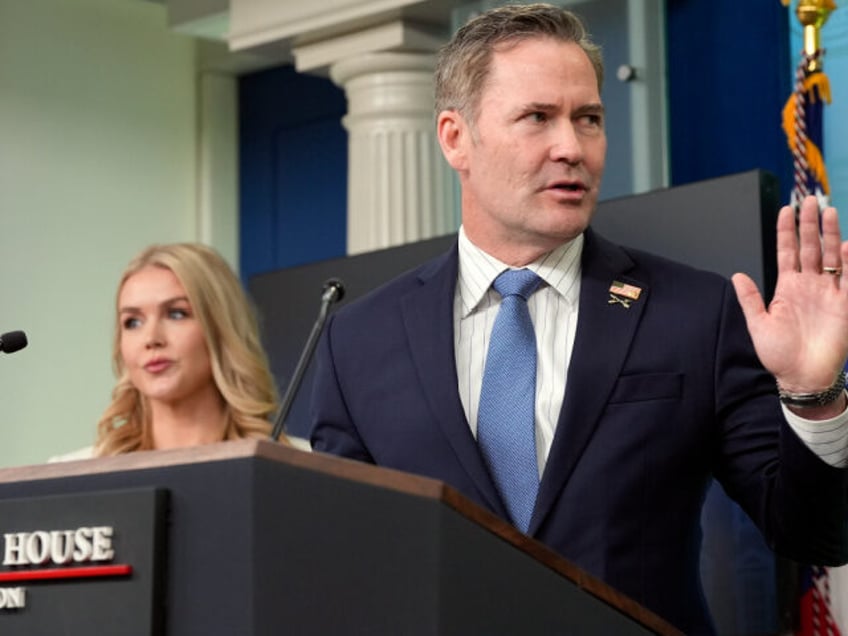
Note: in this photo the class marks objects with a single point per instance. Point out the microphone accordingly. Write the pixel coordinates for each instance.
(13, 341)
(332, 292)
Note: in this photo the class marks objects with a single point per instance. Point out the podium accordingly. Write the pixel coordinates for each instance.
(254, 538)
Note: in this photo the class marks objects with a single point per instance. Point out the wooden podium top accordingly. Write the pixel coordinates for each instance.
(357, 472)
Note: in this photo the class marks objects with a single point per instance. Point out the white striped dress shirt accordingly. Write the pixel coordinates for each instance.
(553, 310)
(826, 438)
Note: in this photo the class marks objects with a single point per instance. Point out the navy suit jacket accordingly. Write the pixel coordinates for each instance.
(661, 397)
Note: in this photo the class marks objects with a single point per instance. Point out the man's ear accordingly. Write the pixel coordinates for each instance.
(454, 137)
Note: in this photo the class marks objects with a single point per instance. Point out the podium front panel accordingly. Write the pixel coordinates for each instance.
(83, 563)
(265, 540)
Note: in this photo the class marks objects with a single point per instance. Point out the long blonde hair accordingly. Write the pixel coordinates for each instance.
(239, 364)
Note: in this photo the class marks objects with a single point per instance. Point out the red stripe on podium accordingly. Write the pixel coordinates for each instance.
(66, 573)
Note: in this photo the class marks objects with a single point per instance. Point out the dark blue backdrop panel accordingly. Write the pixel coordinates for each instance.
(729, 74)
(292, 170)
(311, 213)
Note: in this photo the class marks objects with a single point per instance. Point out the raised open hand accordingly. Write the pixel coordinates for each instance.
(802, 337)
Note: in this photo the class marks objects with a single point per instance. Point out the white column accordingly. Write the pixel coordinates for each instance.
(400, 189)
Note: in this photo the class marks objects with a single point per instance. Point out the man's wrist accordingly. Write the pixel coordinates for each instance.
(814, 400)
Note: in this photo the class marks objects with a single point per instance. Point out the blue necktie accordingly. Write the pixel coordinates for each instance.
(506, 431)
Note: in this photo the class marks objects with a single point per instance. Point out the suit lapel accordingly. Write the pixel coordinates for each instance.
(602, 340)
(428, 320)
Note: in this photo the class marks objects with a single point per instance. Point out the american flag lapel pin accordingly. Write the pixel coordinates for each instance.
(623, 294)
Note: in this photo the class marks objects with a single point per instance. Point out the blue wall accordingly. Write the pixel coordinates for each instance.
(293, 170)
(727, 80)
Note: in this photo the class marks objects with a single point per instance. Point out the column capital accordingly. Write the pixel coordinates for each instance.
(396, 37)
(387, 88)
(351, 67)
(255, 23)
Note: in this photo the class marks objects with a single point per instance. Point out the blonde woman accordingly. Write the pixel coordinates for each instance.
(187, 354)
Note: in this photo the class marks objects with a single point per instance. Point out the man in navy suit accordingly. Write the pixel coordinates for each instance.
(648, 383)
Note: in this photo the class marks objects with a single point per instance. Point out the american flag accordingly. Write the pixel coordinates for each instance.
(624, 289)
(815, 613)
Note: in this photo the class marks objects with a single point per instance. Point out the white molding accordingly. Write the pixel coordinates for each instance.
(257, 22)
(217, 164)
(649, 107)
(391, 36)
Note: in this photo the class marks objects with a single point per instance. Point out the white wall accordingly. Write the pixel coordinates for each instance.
(98, 157)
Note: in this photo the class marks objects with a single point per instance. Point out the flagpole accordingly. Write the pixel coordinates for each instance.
(813, 14)
(803, 123)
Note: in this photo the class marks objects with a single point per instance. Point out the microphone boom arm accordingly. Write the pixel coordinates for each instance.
(333, 292)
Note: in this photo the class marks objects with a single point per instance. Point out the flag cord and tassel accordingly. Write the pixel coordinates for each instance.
(812, 91)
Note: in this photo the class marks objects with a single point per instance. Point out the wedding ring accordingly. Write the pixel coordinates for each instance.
(836, 271)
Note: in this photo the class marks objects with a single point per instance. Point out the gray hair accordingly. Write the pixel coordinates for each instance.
(463, 64)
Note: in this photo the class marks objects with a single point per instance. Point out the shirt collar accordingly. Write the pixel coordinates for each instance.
(559, 268)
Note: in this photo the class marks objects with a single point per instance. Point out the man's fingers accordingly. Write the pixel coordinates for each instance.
(831, 241)
(810, 236)
(749, 297)
(787, 241)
